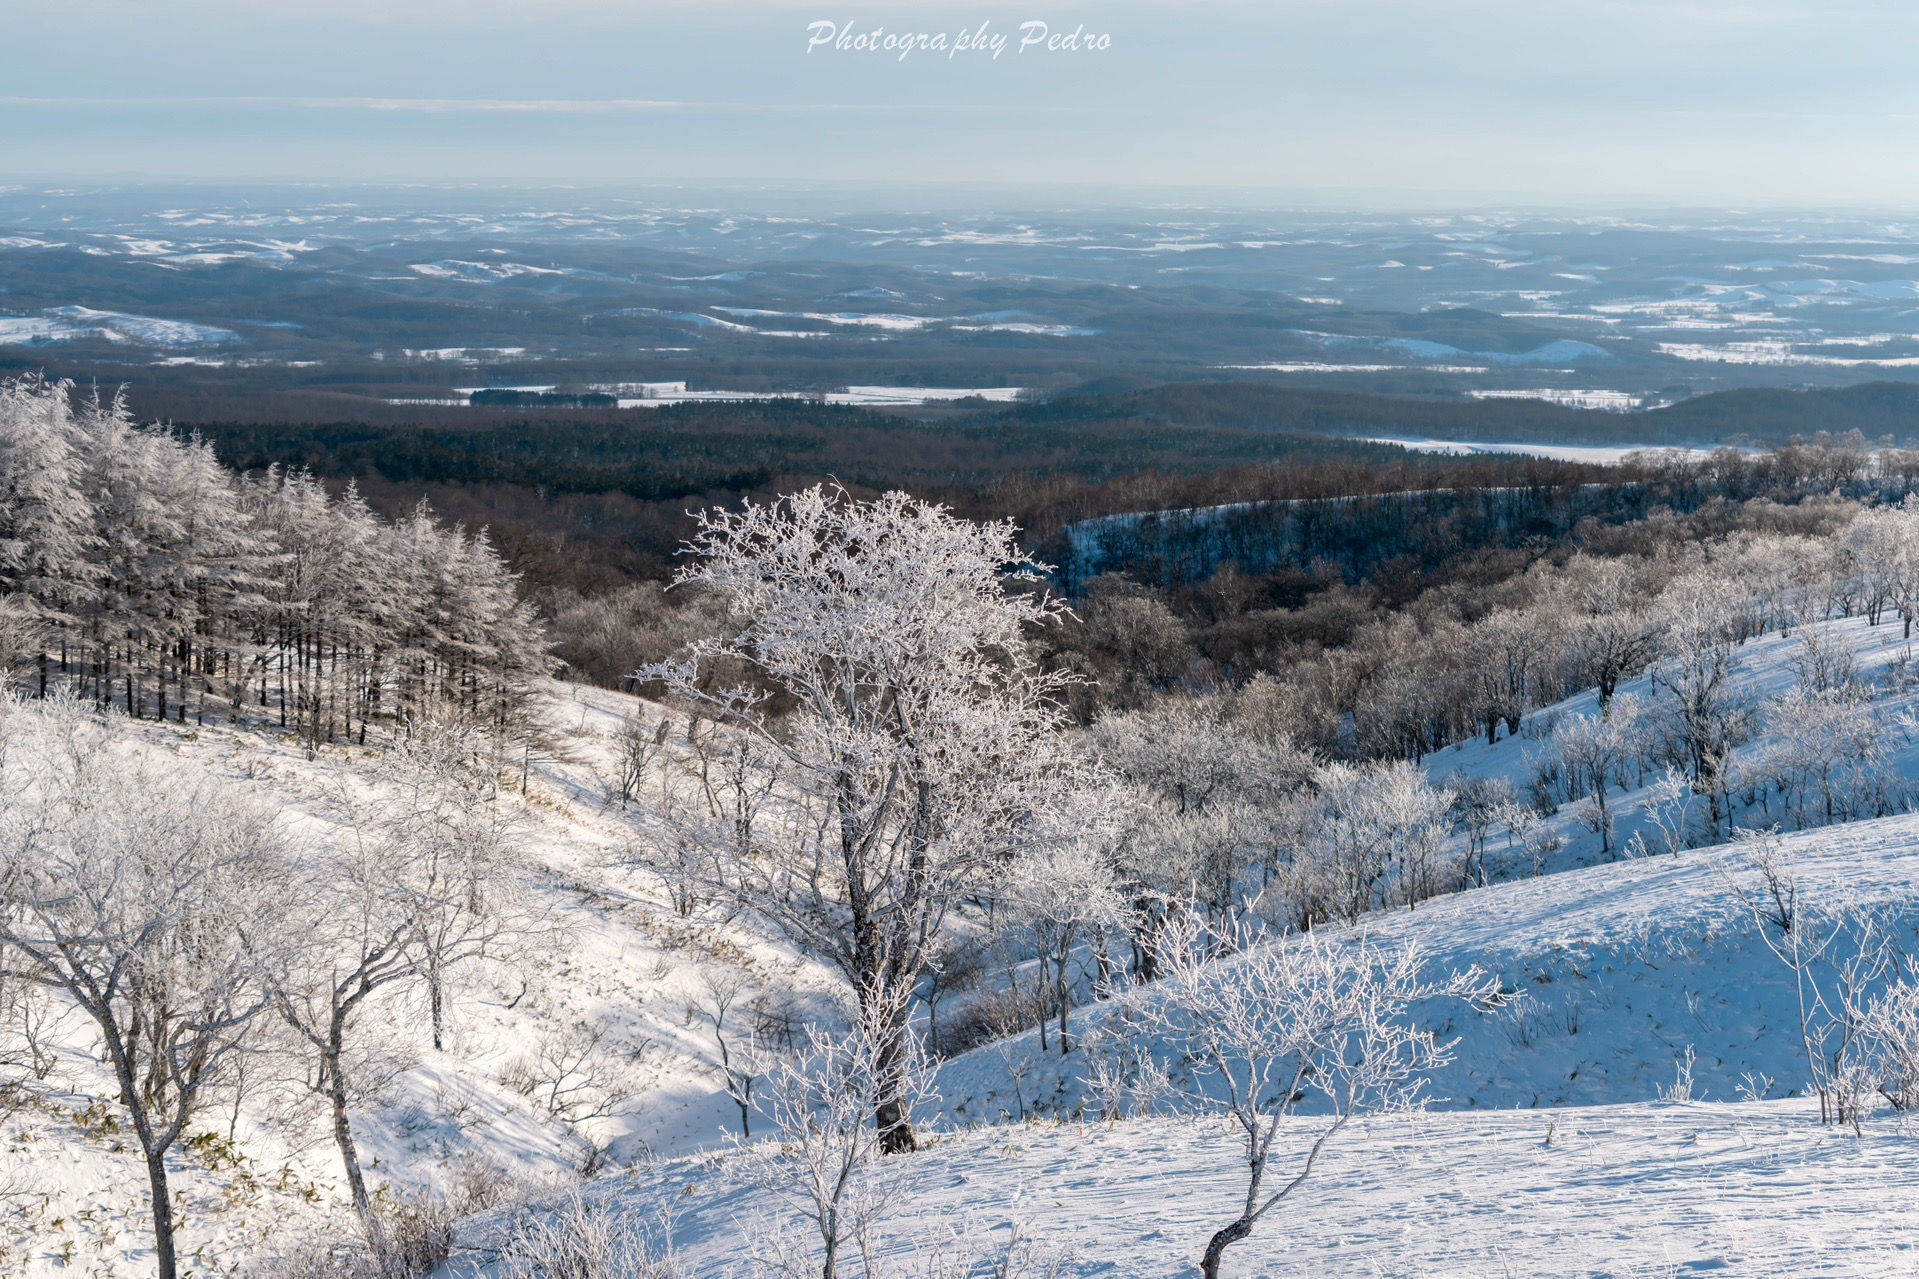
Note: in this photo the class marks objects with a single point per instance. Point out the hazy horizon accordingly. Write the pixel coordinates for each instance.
(1400, 104)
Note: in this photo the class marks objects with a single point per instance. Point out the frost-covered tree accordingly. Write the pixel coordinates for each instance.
(1060, 894)
(453, 859)
(1705, 714)
(1274, 1025)
(405, 892)
(353, 939)
(1480, 804)
(1210, 791)
(1369, 836)
(1829, 754)
(1892, 1040)
(1882, 545)
(124, 893)
(1615, 635)
(1838, 953)
(743, 1059)
(922, 740)
(1587, 756)
(46, 522)
(1506, 653)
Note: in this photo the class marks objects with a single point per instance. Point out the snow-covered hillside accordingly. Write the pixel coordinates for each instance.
(1626, 964)
(605, 953)
(1623, 969)
(1884, 665)
(1552, 1146)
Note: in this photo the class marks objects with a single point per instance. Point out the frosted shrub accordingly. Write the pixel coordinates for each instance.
(1668, 809)
(822, 1105)
(1276, 1023)
(1680, 1093)
(581, 1238)
(1838, 954)
(1892, 1029)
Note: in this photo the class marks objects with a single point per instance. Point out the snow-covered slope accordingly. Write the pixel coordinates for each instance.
(608, 952)
(1516, 1171)
(1884, 661)
(1624, 967)
(1756, 1191)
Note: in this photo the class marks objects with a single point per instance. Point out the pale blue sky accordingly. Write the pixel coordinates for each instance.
(1603, 102)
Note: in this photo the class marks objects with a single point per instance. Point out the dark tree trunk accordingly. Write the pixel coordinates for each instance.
(164, 1264)
(896, 1128)
(895, 1121)
(436, 1002)
(1216, 1247)
(349, 1153)
(1065, 995)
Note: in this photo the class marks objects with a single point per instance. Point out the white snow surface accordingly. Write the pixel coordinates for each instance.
(67, 323)
(1603, 454)
(1545, 1152)
(621, 957)
(1753, 1191)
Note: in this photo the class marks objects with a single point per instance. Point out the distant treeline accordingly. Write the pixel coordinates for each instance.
(544, 399)
(1386, 517)
(1763, 416)
(624, 481)
(548, 478)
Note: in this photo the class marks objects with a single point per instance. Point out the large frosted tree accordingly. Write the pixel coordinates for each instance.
(123, 891)
(916, 742)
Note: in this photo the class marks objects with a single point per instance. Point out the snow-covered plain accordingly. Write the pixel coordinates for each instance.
(1608, 401)
(71, 323)
(648, 395)
(1603, 454)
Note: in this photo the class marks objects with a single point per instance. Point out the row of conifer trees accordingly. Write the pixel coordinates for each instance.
(139, 572)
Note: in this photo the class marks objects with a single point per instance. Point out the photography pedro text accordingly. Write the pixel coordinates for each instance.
(1034, 36)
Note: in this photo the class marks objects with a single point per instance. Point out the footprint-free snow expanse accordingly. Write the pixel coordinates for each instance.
(1756, 1190)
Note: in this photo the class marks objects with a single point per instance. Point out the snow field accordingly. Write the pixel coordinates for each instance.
(1754, 1191)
